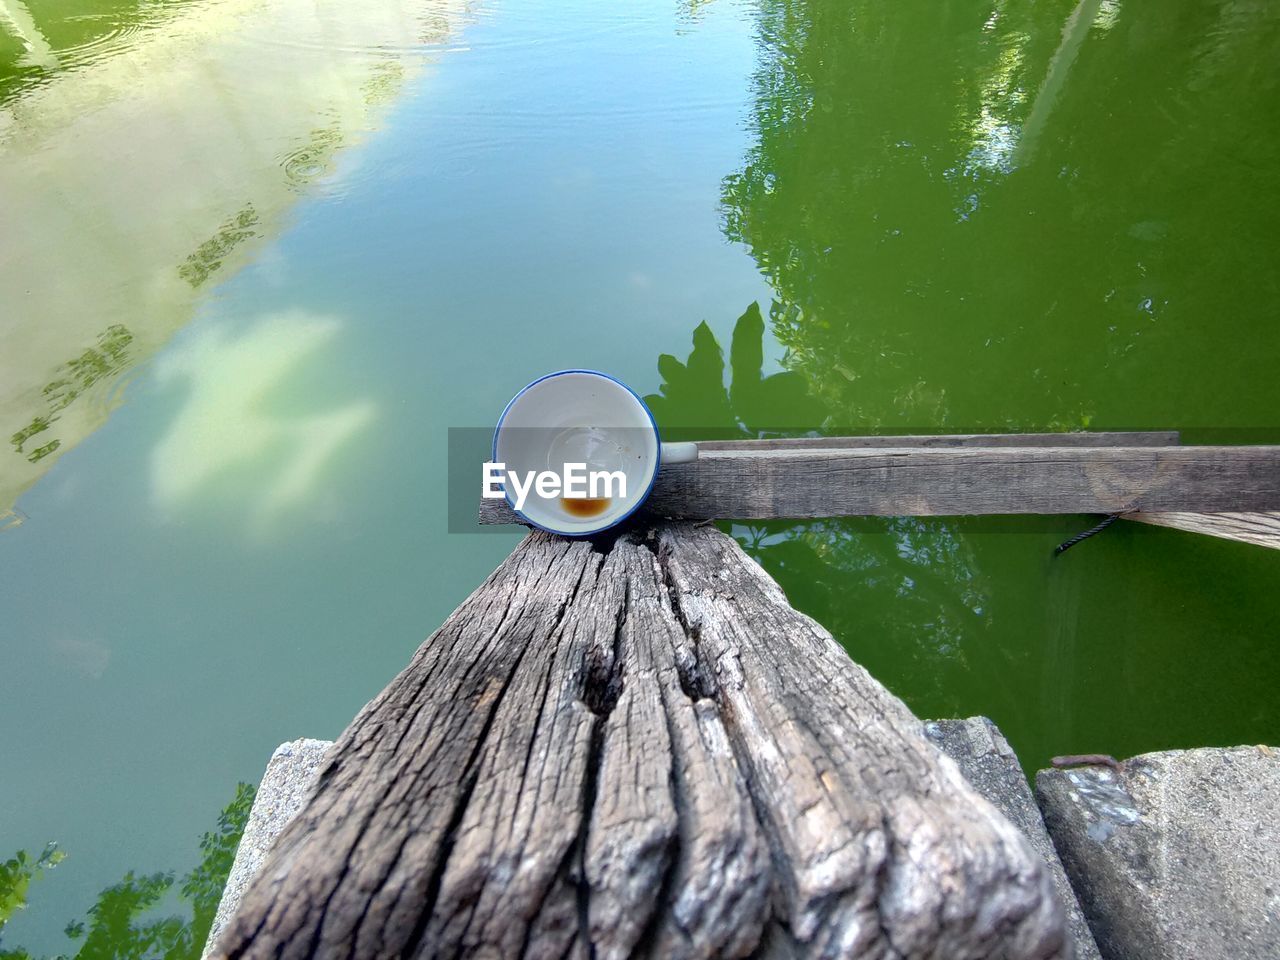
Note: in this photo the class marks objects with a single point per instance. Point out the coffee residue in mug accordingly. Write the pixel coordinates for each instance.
(585, 506)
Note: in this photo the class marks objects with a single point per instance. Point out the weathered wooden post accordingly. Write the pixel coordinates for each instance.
(1230, 492)
(636, 747)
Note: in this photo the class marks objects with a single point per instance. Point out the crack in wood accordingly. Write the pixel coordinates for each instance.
(637, 748)
(471, 775)
(589, 789)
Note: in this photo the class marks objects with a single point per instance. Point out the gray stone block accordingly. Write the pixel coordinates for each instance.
(990, 765)
(1175, 856)
(285, 786)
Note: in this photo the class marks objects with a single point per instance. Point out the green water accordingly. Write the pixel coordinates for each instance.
(256, 259)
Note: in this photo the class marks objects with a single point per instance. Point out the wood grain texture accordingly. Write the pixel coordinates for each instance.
(639, 749)
(1128, 438)
(959, 481)
(1262, 529)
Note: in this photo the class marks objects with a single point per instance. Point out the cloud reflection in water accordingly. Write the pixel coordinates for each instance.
(234, 425)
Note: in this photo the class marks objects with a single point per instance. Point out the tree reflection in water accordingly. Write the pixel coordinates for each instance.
(694, 401)
(1023, 217)
(122, 924)
(1017, 216)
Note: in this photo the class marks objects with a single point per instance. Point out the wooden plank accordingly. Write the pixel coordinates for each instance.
(640, 749)
(1262, 529)
(961, 481)
(1128, 438)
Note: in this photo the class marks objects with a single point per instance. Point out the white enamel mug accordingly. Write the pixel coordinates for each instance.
(582, 417)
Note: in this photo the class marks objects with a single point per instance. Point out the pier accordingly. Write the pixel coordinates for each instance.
(634, 746)
(638, 748)
(1225, 491)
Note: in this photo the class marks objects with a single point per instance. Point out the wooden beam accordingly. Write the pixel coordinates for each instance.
(1127, 438)
(639, 749)
(958, 481)
(1262, 529)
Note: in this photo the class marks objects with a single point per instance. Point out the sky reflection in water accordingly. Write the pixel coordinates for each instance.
(270, 252)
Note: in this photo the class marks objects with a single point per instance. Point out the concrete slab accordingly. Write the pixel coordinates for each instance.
(285, 786)
(1176, 856)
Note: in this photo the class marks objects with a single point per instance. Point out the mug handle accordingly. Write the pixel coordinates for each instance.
(679, 452)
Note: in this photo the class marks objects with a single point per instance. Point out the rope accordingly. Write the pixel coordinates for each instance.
(1066, 545)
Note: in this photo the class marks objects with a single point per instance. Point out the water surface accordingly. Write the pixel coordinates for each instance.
(258, 257)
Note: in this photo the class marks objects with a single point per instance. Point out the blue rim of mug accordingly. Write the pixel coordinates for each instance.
(657, 457)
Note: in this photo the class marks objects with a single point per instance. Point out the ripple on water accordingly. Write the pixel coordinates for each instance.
(436, 34)
(444, 32)
(117, 37)
(304, 164)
